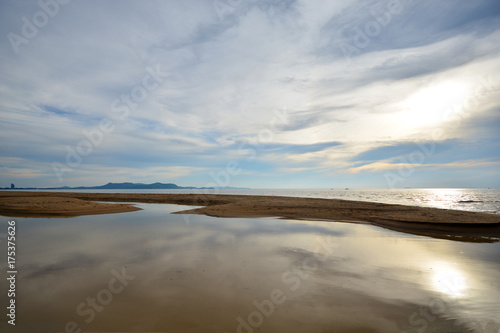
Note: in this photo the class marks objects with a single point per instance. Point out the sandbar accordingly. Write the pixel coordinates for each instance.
(55, 206)
(413, 219)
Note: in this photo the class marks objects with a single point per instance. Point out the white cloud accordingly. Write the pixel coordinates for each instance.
(226, 77)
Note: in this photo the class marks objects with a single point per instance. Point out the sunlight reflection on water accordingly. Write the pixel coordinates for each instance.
(449, 280)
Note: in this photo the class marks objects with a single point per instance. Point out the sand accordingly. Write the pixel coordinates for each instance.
(55, 206)
(398, 217)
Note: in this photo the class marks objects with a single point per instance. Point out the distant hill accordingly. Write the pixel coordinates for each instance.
(126, 186)
(133, 186)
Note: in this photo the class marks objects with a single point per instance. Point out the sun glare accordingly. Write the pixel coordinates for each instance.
(432, 105)
(449, 280)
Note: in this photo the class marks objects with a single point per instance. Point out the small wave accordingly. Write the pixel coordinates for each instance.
(470, 201)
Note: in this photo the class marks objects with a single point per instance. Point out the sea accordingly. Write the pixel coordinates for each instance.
(476, 200)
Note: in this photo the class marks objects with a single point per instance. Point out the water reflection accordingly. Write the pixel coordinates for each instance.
(447, 198)
(247, 275)
(460, 199)
(449, 280)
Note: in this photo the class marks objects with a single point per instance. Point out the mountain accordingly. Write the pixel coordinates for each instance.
(126, 186)
(134, 186)
(139, 186)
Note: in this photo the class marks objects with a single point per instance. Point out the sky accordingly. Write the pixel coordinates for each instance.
(250, 93)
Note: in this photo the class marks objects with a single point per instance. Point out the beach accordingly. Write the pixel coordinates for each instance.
(423, 220)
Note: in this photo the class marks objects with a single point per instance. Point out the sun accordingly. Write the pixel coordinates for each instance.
(431, 105)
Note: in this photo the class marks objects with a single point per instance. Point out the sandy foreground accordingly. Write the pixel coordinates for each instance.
(398, 217)
(55, 206)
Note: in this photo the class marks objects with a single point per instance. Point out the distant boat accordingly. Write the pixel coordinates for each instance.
(347, 188)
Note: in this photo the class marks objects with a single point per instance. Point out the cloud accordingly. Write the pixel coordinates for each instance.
(386, 166)
(403, 148)
(226, 75)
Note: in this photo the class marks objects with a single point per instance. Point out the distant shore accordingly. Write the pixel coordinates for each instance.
(397, 217)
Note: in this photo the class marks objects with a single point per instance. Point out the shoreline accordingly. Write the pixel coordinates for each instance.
(413, 219)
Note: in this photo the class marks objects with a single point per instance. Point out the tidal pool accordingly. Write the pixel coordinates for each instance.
(152, 271)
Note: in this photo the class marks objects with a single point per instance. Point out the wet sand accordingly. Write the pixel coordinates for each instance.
(420, 220)
(55, 206)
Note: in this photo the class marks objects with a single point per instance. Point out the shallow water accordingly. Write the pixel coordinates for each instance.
(151, 271)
